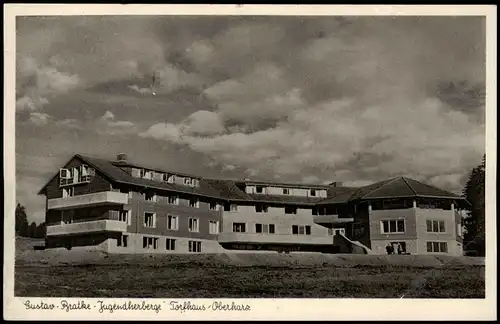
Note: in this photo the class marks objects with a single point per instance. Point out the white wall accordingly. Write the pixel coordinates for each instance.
(282, 222)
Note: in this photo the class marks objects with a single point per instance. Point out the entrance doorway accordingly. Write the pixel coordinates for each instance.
(399, 247)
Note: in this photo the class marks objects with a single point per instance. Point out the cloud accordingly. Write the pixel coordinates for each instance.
(107, 124)
(39, 119)
(70, 123)
(30, 104)
(344, 98)
(37, 83)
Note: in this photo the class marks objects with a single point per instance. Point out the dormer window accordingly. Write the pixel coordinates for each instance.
(187, 181)
(146, 174)
(313, 193)
(286, 191)
(259, 189)
(171, 178)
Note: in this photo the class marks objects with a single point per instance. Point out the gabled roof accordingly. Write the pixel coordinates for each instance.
(401, 187)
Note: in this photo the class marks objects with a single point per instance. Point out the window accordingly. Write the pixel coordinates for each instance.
(149, 242)
(239, 227)
(171, 178)
(194, 246)
(437, 247)
(286, 191)
(392, 226)
(313, 193)
(173, 200)
(187, 181)
(301, 229)
(213, 206)
(213, 227)
(150, 196)
(86, 173)
(149, 219)
(68, 192)
(194, 202)
(122, 240)
(195, 182)
(230, 207)
(193, 224)
(259, 189)
(146, 174)
(261, 208)
(434, 226)
(290, 210)
(170, 244)
(172, 222)
(124, 216)
(264, 228)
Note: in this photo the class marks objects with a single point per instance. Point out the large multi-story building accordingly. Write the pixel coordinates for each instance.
(120, 207)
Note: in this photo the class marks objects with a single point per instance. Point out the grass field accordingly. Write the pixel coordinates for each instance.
(69, 274)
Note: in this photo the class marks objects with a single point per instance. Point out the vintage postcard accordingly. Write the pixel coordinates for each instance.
(231, 162)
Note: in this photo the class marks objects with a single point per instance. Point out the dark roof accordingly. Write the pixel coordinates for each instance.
(338, 195)
(231, 190)
(227, 189)
(118, 175)
(133, 165)
(401, 187)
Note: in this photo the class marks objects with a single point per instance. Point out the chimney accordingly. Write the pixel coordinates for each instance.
(336, 184)
(121, 157)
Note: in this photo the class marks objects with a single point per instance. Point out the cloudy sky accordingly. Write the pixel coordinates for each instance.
(352, 99)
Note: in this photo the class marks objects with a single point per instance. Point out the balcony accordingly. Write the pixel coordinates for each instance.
(274, 238)
(331, 219)
(87, 227)
(89, 200)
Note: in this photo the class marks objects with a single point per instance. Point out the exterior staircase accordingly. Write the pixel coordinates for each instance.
(348, 246)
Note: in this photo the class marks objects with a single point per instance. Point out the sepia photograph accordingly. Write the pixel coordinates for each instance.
(218, 156)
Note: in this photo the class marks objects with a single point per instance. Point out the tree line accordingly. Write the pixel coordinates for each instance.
(27, 230)
(474, 223)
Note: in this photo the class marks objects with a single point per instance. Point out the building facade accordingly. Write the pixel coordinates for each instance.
(119, 207)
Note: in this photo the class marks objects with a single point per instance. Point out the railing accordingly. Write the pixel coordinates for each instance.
(89, 200)
(87, 227)
(71, 181)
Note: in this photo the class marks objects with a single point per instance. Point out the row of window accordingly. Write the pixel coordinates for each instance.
(195, 203)
(271, 229)
(284, 191)
(432, 247)
(149, 242)
(165, 177)
(398, 226)
(173, 223)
